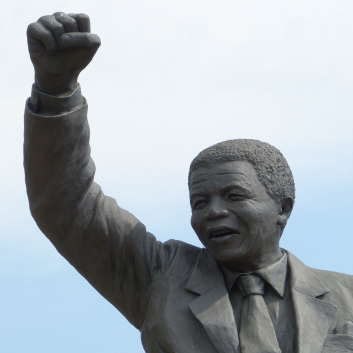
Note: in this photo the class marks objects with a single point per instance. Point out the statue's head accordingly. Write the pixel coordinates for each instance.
(241, 193)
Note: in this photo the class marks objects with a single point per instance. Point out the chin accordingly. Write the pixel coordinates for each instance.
(225, 258)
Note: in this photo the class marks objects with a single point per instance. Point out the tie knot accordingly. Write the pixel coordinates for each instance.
(251, 284)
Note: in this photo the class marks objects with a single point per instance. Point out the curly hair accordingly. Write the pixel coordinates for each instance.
(271, 167)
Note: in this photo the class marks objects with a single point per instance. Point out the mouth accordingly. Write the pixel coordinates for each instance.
(221, 234)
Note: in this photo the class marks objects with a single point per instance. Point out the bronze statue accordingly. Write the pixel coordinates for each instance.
(241, 293)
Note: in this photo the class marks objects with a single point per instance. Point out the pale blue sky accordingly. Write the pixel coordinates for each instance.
(171, 78)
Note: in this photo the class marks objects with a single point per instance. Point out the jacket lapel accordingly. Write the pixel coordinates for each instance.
(313, 315)
(214, 311)
(213, 308)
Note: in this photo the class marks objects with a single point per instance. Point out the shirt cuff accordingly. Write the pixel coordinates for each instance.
(45, 104)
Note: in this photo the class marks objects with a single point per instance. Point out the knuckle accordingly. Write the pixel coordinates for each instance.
(46, 37)
(86, 38)
(82, 16)
(30, 27)
(59, 14)
(58, 27)
(35, 29)
(66, 18)
(48, 21)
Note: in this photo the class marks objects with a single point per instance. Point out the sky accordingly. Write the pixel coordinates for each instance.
(170, 79)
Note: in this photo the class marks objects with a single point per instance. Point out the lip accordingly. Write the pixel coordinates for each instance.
(221, 234)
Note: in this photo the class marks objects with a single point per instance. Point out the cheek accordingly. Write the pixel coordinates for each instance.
(262, 220)
(254, 219)
(194, 222)
(246, 213)
(255, 212)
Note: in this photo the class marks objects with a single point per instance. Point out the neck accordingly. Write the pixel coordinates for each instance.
(256, 263)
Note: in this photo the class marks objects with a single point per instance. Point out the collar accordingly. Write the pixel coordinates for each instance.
(274, 274)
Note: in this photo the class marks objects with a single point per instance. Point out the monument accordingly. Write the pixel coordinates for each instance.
(241, 293)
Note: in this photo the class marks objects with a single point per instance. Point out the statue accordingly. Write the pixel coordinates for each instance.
(242, 293)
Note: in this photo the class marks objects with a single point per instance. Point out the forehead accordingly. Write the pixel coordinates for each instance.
(236, 172)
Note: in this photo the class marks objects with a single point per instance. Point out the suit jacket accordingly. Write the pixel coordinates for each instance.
(174, 293)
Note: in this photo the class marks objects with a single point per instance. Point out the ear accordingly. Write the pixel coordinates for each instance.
(286, 210)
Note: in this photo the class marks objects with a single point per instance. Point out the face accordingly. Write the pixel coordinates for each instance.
(234, 217)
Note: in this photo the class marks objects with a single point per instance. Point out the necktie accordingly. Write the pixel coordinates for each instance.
(257, 334)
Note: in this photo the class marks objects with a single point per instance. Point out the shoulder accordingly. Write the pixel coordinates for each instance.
(174, 251)
(185, 251)
(334, 277)
(318, 282)
(340, 292)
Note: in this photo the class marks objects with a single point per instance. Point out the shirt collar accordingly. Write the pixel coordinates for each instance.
(274, 274)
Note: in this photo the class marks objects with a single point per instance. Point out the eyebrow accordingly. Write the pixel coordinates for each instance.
(224, 173)
(226, 188)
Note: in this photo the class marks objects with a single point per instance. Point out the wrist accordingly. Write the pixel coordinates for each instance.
(58, 85)
(54, 105)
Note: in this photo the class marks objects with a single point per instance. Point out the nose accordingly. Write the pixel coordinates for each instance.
(215, 210)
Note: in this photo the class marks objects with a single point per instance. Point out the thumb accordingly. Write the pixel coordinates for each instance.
(79, 39)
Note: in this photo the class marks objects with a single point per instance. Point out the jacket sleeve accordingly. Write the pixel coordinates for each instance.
(105, 243)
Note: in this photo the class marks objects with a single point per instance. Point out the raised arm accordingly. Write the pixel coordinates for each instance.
(105, 243)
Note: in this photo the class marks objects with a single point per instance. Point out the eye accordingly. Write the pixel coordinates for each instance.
(197, 205)
(235, 196)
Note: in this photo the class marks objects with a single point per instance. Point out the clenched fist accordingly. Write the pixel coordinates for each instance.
(60, 47)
